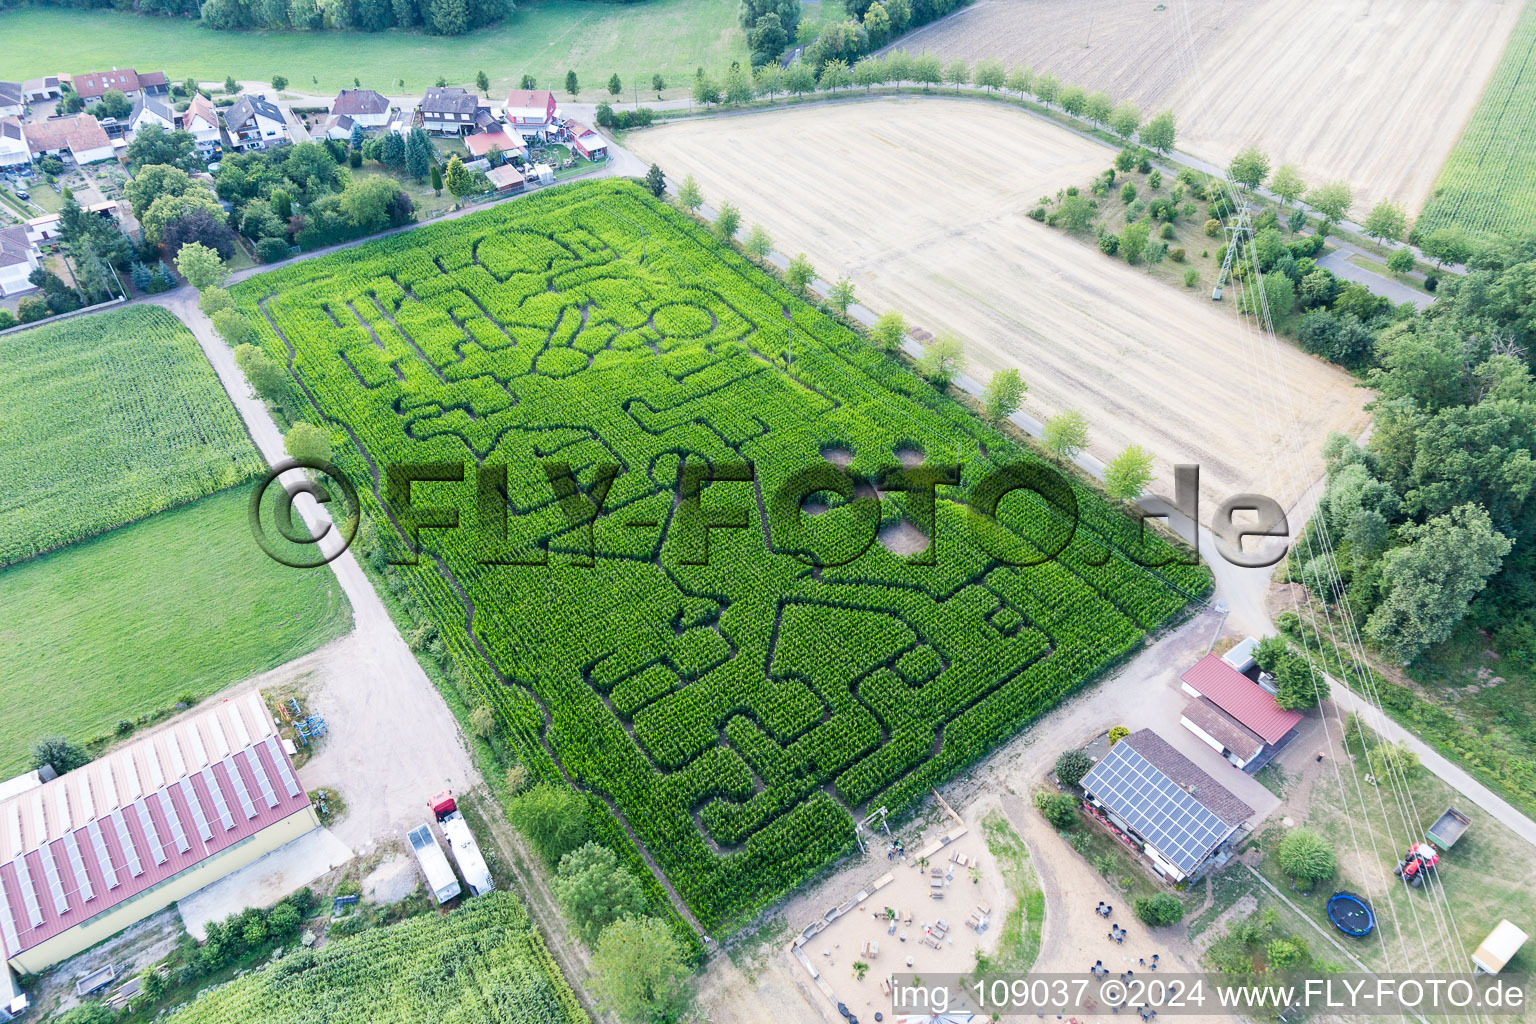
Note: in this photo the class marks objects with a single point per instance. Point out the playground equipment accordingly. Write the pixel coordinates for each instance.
(1350, 914)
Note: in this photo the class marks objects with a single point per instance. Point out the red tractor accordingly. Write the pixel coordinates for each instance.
(1420, 859)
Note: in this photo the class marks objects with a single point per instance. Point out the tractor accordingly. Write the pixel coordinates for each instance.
(1421, 857)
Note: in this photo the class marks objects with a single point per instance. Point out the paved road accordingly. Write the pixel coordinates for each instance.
(1338, 262)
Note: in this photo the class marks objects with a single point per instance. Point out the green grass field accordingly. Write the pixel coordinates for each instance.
(1488, 183)
(124, 623)
(545, 39)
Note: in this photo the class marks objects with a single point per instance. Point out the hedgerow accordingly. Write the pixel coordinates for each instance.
(739, 710)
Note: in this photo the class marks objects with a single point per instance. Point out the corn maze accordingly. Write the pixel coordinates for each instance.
(731, 657)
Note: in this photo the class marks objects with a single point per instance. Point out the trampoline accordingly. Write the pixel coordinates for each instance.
(1350, 914)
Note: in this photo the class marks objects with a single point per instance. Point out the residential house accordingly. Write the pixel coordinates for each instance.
(481, 143)
(254, 123)
(154, 83)
(1179, 818)
(37, 90)
(585, 141)
(337, 126)
(364, 106)
(153, 111)
(449, 111)
(14, 151)
(93, 85)
(12, 99)
(43, 229)
(1232, 714)
(530, 112)
(79, 135)
(18, 258)
(201, 119)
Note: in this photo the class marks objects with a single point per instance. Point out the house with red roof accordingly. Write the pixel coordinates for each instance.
(586, 141)
(1233, 714)
(529, 112)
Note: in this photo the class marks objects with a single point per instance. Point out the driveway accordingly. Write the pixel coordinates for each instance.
(1338, 262)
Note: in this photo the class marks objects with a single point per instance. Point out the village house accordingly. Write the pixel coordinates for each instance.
(586, 141)
(78, 135)
(12, 99)
(93, 85)
(337, 126)
(153, 111)
(449, 111)
(481, 143)
(18, 258)
(530, 112)
(14, 151)
(38, 90)
(1231, 713)
(43, 229)
(254, 123)
(364, 106)
(202, 121)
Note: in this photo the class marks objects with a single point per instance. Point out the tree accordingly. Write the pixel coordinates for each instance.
(1065, 434)
(727, 221)
(437, 178)
(357, 138)
(1297, 686)
(594, 891)
(640, 971)
(483, 82)
(751, 12)
(1332, 200)
(835, 75)
(689, 195)
(1133, 240)
(528, 82)
(279, 83)
(898, 65)
(1125, 119)
(1060, 809)
(869, 72)
(1306, 856)
(615, 86)
(572, 86)
(458, 179)
(890, 331)
(799, 78)
(1128, 473)
(768, 80)
(1098, 107)
(230, 85)
(877, 23)
(841, 295)
(308, 443)
(1021, 80)
(482, 721)
(990, 75)
(265, 375)
(1386, 220)
(419, 154)
(1003, 395)
(1073, 99)
(1288, 184)
(1159, 910)
(201, 226)
(656, 181)
(200, 265)
(658, 83)
(1429, 581)
(738, 84)
(232, 327)
(800, 273)
(1046, 88)
(1400, 261)
(553, 818)
(1250, 167)
(112, 104)
(1074, 213)
(57, 752)
(1159, 132)
(1449, 244)
(758, 243)
(927, 70)
(707, 91)
(1072, 765)
(153, 145)
(392, 150)
(943, 360)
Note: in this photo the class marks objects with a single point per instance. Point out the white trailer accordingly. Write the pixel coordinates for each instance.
(461, 843)
(1496, 950)
(433, 864)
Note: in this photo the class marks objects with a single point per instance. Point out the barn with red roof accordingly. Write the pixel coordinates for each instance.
(1233, 714)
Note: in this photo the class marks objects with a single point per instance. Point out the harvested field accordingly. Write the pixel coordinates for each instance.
(1393, 82)
(1147, 363)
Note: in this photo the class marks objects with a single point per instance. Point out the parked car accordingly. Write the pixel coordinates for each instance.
(22, 193)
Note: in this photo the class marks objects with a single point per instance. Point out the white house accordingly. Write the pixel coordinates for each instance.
(18, 258)
(154, 111)
(254, 123)
(13, 144)
(337, 126)
(202, 121)
(363, 106)
(12, 99)
(43, 229)
(79, 135)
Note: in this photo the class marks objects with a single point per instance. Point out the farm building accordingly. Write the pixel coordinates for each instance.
(96, 849)
(586, 141)
(202, 121)
(12, 99)
(364, 106)
(1232, 714)
(529, 112)
(79, 135)
(1182, 820)
(18, 258)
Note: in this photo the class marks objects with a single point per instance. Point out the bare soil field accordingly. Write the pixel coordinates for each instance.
(953, 247)
(1372, 91)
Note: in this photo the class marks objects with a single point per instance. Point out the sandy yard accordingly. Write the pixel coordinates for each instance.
(954, 248)
(1393, 81)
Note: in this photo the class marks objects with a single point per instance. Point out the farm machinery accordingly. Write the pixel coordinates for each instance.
(1424, 857)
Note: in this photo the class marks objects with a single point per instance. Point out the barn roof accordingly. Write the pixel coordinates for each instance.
(1240, 697)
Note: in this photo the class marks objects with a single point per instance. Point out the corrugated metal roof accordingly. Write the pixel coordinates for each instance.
(1240, 697)
(75, 847)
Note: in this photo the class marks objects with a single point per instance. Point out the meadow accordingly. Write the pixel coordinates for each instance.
(126, 623)
(545, 38)
(743, 673)
(107, 419)
(1488, 183)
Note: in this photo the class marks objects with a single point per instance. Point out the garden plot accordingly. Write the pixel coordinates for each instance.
(953, 247)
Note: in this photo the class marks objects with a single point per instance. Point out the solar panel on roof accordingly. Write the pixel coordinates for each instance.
(77, 866)
(259, 770)
(241, 792)
(51, 875)
(220, 806)
(152, 834)
(7, 921)
(130, 852)
(198, 817)
(1170, 819)
(178, 834)
(103, 860)
(278, 759)
(28, 893)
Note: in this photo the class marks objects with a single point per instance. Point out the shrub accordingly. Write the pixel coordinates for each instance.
(1191, 277)
(1167, 232)
(1177, 255)
(1306, 856)
(1160, 910)
(1117, 734)
(1060, 810)
(1127, 192)
(1038, 213)
(1072, 765)
(1109, 243)
(272, 250)
(1431, 282)
(1212, 227)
